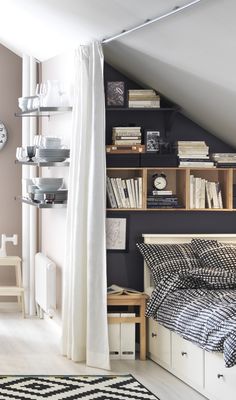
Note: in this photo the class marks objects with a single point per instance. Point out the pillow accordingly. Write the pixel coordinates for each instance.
(165, 259)
(213, 254)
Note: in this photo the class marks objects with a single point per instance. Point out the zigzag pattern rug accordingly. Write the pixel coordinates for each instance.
(124, 387)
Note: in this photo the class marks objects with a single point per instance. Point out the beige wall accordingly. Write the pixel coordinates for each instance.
(10, 174)
(53, 222)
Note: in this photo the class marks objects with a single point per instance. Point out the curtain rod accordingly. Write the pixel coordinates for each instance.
(175, 10)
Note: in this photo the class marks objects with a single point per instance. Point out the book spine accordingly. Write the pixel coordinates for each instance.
(140, 186)
(203, 191)
(126, 137)
(191, 191)
(162, 192)
(214, 195)
(197, 192)
(144, 98)
(143, 104)
(126, 131)
(121, 192)
(208, 195)
(133, 192)
(126, 193)
(131, 199)
(127, 142)
(136, 192)
(116, 192)
(219, 195)
(110, 193)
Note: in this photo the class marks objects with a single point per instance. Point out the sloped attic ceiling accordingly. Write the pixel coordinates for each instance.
(46, 28)
(190, 58)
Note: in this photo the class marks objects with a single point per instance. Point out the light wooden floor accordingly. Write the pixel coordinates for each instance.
(31, 346)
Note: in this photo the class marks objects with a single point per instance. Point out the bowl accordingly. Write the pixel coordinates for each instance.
(48, 183)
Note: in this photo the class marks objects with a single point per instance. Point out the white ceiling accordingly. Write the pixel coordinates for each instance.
(190, 57)
(46, 28)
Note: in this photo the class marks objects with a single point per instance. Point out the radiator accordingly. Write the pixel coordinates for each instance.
(45, 285)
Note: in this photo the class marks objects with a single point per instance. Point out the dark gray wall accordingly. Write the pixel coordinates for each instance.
(126, 268)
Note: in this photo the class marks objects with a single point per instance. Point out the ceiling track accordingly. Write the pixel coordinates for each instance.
(175, 10)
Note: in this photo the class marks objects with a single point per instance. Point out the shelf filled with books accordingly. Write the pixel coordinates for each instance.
(210, 189)
(125, 188)
(171, 189)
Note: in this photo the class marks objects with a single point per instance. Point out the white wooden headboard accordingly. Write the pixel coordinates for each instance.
(229, 238)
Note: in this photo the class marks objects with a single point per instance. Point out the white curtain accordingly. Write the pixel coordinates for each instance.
(85, 331)
(29, 214)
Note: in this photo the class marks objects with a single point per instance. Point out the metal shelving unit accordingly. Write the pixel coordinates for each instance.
(42, 205)
(43, 112)
(44, 163)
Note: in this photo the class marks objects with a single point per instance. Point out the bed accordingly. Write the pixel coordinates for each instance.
(191, 324)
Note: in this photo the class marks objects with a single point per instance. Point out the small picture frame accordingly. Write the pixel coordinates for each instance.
(115, 94)
(116, 234)
(152, 140)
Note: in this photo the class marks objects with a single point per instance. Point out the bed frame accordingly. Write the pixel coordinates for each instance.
(204, 371)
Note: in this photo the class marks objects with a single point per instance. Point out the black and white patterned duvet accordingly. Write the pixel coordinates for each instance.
(206, 317)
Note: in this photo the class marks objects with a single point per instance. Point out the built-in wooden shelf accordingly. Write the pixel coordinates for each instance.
(178, 180)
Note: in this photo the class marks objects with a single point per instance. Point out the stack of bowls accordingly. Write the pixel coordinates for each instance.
(54, 155)
(51, 142)
(48, 184)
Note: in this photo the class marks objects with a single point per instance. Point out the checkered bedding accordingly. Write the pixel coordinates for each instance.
(195, 293)
(203, 314)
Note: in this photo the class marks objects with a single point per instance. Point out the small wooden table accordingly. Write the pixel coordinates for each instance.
(137, 300)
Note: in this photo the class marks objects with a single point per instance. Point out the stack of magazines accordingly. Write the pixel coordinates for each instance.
(224, 160)
(193, 154)
(162, 199)
(143, 98)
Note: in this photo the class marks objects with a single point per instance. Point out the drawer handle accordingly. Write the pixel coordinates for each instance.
(184, 353)
(154, 334)
(220, 376)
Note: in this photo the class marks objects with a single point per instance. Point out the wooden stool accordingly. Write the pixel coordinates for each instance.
(17, 290)
(138, 300)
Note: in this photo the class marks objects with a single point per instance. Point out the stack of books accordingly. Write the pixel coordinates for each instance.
(125, 193)
(126, 135)
(204, 194)
(224, 160)
(162, 199)
(193, 154)
(143, 98)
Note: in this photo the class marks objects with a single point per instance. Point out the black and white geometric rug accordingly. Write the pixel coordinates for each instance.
(92, 387)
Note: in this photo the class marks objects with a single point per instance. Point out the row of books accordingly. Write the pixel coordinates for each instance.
(125, 193)
(193, 153)
(204, 194)
(126, 135)
(143, 98)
